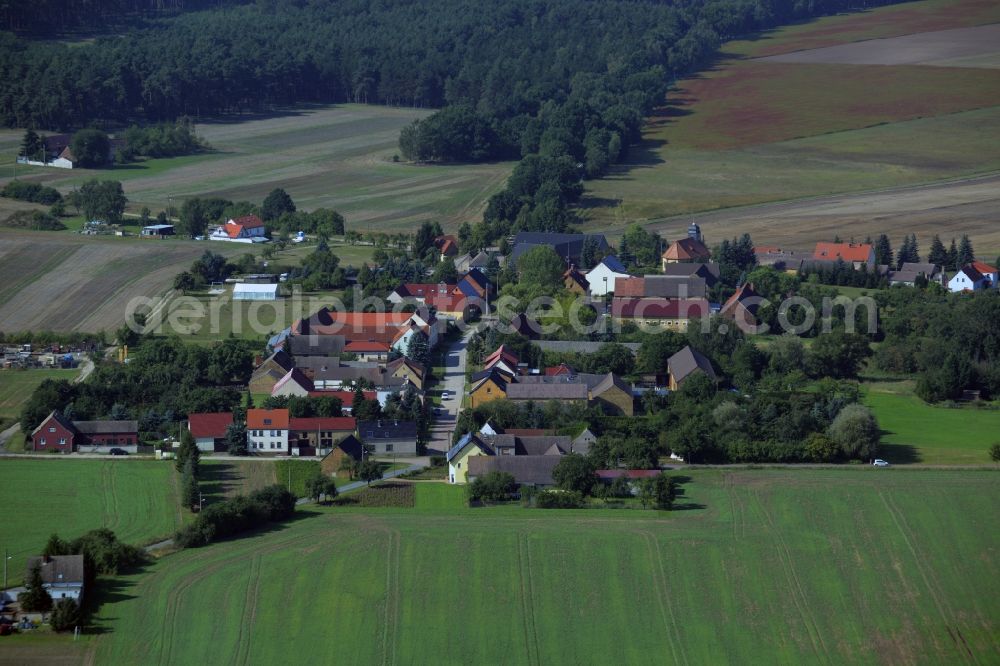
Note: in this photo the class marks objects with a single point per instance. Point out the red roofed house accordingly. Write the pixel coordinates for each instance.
(657, 313)
(686, 251)
(246, 229)
(742, 307)
(267, 431)
(988, 272)
(209, 430)
(419, 291)
(368, 350)
(856, 254)
(316, 436)
(447, 246)
(502, 359)
(559, 371)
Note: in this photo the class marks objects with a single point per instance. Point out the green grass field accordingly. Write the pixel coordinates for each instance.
(139, 500)
(918, 432)
(16, 386)
(761, 566)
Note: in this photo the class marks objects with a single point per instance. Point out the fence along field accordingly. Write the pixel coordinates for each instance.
(803, 566)
(752, 130)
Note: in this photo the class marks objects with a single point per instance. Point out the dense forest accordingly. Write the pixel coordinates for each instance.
(563, 84)
(45, 17)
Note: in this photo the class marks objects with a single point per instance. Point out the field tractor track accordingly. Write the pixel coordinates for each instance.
(931, 583)
(527, 605)
(249, 614)
(795, 585)
(663, 598)
(391, 607)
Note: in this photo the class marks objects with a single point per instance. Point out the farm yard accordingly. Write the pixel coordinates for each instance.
(338, 157)
(863, 564)
(756, 130)
(139, 500)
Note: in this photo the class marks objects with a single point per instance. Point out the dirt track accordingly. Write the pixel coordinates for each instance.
(969, 47)
(964, 206)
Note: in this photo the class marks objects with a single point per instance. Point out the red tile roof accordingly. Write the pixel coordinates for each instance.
(249, 221)
(561, 369)
(447, 302)
(264, 419)
(632, 287)
(846, 251)
(658, 308)
(360, 346)
(686, 249)
(345, 423)
(983, 268)
(742, 294)
(209, 424)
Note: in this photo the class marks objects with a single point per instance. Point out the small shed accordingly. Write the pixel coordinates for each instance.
(244, 291)
(158, 231)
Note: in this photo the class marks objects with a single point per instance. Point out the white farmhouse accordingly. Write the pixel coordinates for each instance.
(602, 277)
(968, 279)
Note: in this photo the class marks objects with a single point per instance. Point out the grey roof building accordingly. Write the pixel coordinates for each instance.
(527, 470)
(567, 246)
(685, 363)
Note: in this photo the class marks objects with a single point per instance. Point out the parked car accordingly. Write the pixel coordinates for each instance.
(880, 463)
(118, 452)
(445, 395)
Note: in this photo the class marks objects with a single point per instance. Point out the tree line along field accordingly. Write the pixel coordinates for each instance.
(338, 157)
(758, 566)
(138, 500)
(753, 130)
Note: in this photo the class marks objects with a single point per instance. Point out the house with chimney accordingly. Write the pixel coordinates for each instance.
(63, 576)
(267, 431)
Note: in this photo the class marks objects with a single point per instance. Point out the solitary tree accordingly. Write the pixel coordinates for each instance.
(103, 200)
(574, 472)
(856, 432)
(369, 471)
(31, 145)
(65, 616)
(995, 452)
(276, 204)
(190, 493)
(35, 598)
(187, 450)
(91, 148)
(236, 439)
(321, 486)
(966, 255)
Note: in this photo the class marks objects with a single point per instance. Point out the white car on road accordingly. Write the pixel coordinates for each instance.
(880, 463)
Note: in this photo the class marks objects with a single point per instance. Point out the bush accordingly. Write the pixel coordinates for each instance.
(995, 452)
(559, 499)
(33, 219)
(239, 514)
(33, 192)
(575, 472)
(493, 487)
(65, 616)
(103, 553)
(438, 461)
